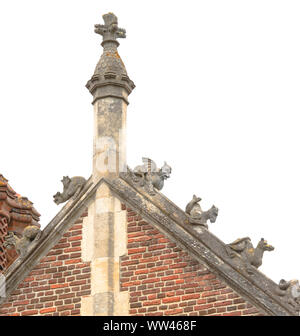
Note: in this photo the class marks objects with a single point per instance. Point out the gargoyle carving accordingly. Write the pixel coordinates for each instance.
(290, 291)
(250, 255)
(197, 216)
(72, 188)
(149, 176)
(31, 233)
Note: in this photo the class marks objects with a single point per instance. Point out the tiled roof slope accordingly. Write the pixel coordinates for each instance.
(167, 217)
(16, 212)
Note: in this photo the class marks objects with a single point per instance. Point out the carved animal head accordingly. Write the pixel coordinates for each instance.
(66, 181)
(283, 284)
(30, 232)
(58, 198)
(196, 199)
(291, 291)
(165, 171)
(196, 210)
(295, 289)
(213, 214)
(263, 244)
(191, 205)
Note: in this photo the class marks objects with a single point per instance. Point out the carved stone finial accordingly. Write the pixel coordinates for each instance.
(110, 70)
(110, 30)
(72, 188)
(196, 216)
(251, 256)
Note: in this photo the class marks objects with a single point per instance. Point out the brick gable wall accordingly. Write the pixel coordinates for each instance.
(163, 279)
(57, 284)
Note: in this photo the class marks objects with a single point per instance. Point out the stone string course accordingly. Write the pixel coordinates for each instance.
(57, 284)
(162, 279)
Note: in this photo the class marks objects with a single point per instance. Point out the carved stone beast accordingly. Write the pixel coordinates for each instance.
(197, 216)
(31, 233)
(72, 187)
(250, 255)
(149, 176)
(290, 292)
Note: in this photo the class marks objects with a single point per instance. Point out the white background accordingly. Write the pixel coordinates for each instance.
(217, 97)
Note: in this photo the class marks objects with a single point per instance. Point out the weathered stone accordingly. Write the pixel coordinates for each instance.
(290, 291)
(110, 30)
(196, 216)
(103, 242)
(104, 236)
(72, 188)
(110, 87)
(30, 234)
(149, 176)
(170, 219)
(251, 256)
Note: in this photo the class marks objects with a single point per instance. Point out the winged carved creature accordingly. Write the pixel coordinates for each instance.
(250, 255)
(149, 174)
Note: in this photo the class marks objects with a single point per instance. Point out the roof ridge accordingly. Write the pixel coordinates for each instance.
(157, 209)
(264, 286)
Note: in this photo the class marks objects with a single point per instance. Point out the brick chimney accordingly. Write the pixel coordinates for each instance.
(110, 87)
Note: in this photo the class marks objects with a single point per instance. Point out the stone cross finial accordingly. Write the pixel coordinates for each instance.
(110, 30)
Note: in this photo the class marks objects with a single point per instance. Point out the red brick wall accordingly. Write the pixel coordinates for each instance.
(57, 283)
(163, 279)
